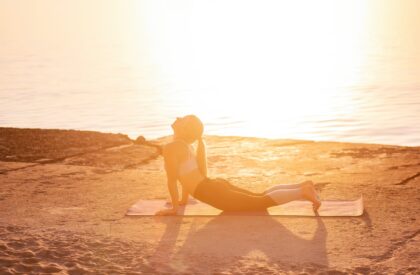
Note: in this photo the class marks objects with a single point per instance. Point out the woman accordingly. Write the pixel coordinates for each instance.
(181, 164)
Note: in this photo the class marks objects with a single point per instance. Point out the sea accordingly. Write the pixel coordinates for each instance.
(346, 71)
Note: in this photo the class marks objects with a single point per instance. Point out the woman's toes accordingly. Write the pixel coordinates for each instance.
(310, 194)
(316, 205)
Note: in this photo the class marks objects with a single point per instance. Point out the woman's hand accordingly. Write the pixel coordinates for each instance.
(182, 202)
(166, 212)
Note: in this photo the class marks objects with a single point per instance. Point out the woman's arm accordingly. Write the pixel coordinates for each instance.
(173, 191)
(184, 197)
(171, 167)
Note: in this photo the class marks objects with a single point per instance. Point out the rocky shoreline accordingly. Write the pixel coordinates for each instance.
(64, 194)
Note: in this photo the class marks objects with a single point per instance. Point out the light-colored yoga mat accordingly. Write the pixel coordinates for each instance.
(329, 208)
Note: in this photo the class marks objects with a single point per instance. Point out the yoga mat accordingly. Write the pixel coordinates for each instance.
(329, 208)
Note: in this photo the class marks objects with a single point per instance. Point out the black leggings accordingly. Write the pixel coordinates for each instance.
(223, 195)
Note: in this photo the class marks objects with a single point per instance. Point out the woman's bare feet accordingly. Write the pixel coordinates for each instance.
(309, 193)
(308, 182)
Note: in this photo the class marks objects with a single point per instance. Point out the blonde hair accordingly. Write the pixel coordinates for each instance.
(194, 130)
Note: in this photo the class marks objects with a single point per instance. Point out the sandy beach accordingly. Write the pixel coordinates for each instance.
(64, 195)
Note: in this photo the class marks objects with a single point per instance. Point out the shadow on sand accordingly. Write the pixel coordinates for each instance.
(240, 243)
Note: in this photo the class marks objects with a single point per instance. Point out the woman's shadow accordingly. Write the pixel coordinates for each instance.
(224, 241)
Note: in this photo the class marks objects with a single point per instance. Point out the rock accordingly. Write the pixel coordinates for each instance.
(140, 140)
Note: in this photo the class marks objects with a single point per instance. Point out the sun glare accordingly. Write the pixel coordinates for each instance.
(251, 59)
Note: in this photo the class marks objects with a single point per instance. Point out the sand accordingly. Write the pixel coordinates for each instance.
(64, 194)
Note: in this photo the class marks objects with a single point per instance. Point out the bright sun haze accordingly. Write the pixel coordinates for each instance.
(281, 59)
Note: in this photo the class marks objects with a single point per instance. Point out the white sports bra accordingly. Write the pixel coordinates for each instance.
(188, 165)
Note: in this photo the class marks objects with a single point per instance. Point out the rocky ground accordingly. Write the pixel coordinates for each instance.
(64, 194)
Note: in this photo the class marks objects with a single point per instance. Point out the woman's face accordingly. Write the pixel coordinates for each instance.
(186, 127)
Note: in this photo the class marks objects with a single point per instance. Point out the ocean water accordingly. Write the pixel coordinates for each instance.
(347, 71)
